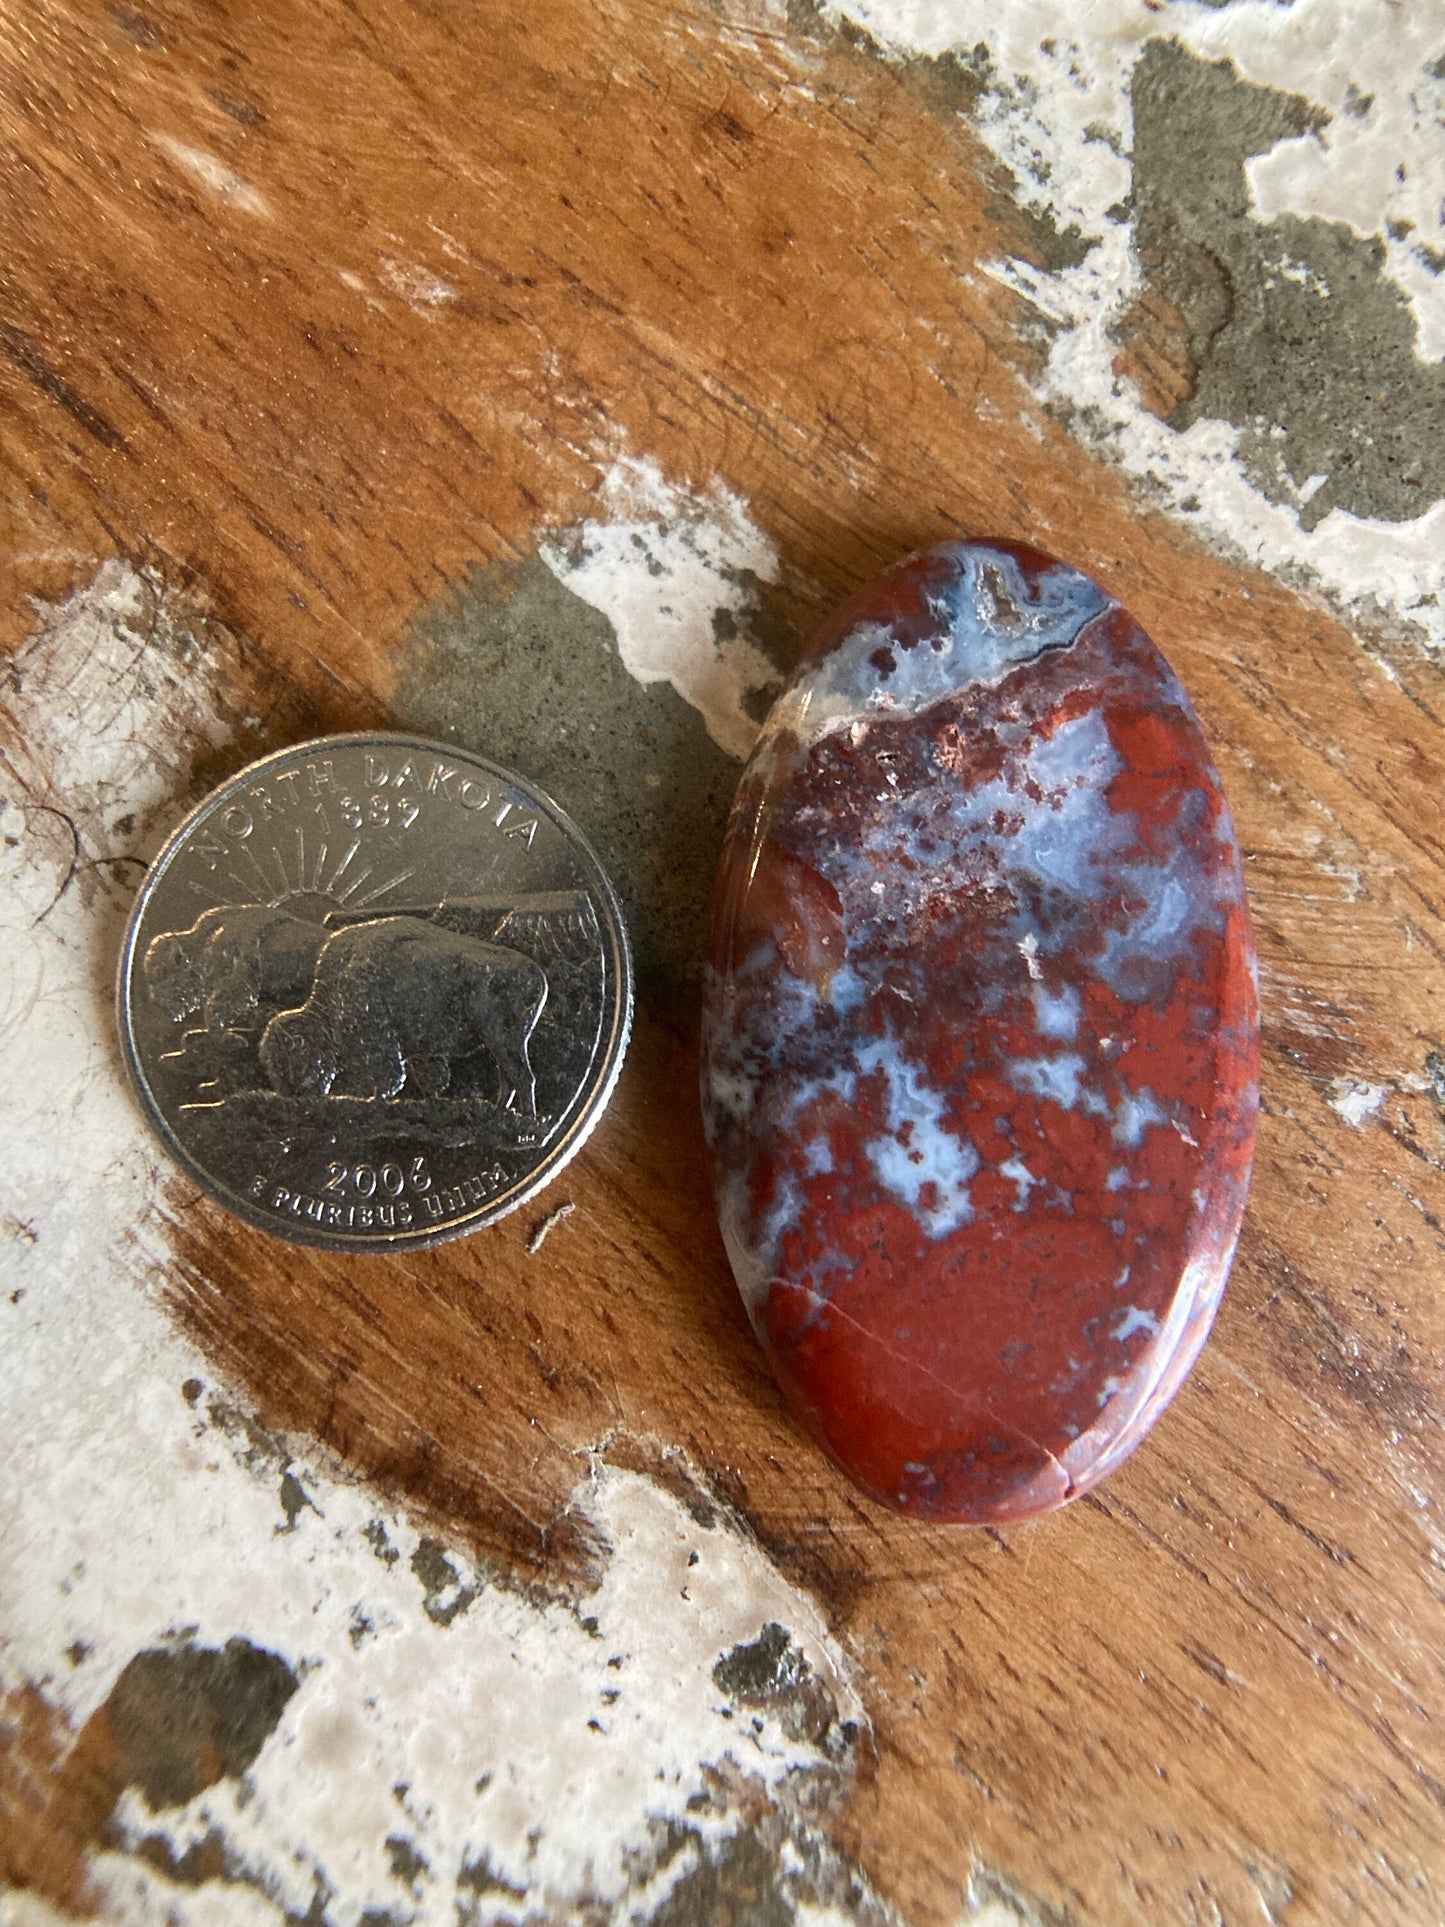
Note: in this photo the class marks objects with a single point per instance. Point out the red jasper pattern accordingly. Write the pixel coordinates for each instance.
(980, 1037)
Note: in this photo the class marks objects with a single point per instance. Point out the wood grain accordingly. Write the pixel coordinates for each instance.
(1212, 1692)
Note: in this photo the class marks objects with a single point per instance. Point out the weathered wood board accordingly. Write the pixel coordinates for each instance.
(367, 360)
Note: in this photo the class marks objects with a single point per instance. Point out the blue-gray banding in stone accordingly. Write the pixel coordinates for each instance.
(992, 618)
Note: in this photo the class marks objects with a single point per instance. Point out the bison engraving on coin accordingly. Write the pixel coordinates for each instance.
(229, 960)
(374, 992)
(394, 1003)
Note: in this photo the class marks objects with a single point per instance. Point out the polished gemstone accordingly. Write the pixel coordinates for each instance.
(980, 1035)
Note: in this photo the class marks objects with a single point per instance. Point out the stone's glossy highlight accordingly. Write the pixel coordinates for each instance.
(980, 1035)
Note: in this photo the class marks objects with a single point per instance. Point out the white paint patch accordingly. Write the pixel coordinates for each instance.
(997, 1911)
(673, 571)
(1355, 1100)
(1380, 163)
(989, 1902)
(215, 177)
(516, 1739)
(423, 292)
(101, 667)
(1056, 110)
(110, 697)
(521, 1737)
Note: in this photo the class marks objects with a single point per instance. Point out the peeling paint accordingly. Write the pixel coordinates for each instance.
(184, 1716)
(1355, 1100)
(497, 664)
(676, 572)
(109, 706)
(86, 687)
(220, 1626)
(1287, 329)
(1353, 179)
(477, 1731)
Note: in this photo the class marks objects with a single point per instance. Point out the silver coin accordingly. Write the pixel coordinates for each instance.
(374, 992)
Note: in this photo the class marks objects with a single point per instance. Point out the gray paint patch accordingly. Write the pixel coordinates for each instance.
(476, 1882)
(774, 1872)
(1290, 329)
(1322, 406)
(185, 1717)
(445, 1596)
(772, 1674)
(520, 669)
(739, 1883)
(762, 1667)
(1434, 1078)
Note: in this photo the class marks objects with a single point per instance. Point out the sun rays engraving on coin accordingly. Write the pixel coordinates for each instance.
(374, 992)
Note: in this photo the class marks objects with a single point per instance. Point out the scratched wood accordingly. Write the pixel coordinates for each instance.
(1219, 1679)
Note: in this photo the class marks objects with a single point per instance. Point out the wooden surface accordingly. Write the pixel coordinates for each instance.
(1211, 1692)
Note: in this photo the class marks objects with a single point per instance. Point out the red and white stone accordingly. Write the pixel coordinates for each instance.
(980, 1035)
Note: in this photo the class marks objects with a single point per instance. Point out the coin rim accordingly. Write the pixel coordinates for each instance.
(420, 1238)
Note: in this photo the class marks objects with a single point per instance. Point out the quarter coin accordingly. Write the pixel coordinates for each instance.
(375, 992)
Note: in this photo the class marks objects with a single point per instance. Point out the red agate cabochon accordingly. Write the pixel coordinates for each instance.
(980, 1037)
